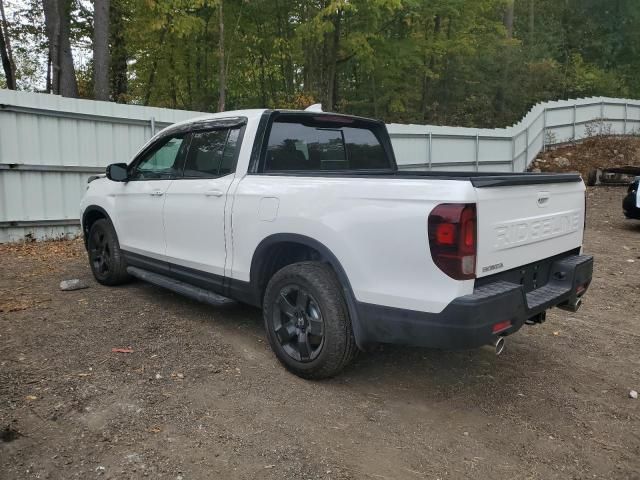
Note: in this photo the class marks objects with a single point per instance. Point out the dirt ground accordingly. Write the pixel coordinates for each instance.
(202, 396)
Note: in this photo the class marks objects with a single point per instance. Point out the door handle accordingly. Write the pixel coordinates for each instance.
(213, 193)
(156, 193)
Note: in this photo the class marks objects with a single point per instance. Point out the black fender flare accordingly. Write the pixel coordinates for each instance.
(258, 258)
(88, 210)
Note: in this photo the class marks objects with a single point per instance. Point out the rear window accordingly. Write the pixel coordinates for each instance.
(314, 143)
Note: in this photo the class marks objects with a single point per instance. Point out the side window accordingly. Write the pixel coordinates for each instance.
(211, 154)
(228, 164)
(162, 162)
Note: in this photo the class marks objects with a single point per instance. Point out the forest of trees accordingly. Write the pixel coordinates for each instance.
(478, 63)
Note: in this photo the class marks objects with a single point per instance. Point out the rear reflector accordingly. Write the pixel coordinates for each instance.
(452, 239)
(580, 289)
(501, 326)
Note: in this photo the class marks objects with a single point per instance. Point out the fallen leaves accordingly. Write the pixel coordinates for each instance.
(12, 302)
(44, 250)
(122, 350)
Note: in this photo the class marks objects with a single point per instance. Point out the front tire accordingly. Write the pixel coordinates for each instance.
(105, 257)
(307, 321)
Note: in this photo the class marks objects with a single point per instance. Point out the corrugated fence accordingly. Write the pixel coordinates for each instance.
(512, 149)
(49, 145)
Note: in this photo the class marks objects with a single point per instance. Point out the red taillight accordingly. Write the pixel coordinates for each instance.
(446, 234)
(452, 239)
(499, 327)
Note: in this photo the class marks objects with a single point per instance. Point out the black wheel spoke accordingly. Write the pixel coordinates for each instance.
(316, 327)
(302, 301)
(286, 332)
(100, 252)
(304, 348)
(285, 306)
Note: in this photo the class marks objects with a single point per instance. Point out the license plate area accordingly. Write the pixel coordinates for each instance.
(531, 276)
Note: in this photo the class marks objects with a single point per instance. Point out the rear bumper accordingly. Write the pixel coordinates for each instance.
(629, 206)
(468, 321)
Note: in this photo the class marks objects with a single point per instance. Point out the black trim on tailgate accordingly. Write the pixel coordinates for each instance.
(524, 179)
(531, 276)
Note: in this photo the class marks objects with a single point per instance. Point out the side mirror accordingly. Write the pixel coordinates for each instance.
(117, 172)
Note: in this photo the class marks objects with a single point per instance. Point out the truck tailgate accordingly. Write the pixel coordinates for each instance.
(523, 223)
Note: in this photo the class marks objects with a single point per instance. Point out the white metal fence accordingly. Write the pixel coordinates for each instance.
(49, 145)
(512, 149)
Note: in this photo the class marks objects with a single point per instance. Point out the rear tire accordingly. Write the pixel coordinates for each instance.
(307, 320)
(105, 257)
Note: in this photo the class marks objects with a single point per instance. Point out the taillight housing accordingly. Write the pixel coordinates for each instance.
(453, 239)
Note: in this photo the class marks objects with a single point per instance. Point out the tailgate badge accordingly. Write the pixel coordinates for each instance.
(491, 268)
(543, 199)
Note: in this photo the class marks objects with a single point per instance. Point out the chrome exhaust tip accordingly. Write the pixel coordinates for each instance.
(499, 344)
(572, 305)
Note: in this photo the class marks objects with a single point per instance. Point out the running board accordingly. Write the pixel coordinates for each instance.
(182, 288)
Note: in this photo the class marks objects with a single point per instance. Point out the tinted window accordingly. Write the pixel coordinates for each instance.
(212, 153)
(364, 149)
(228, 164)
(162, 161)
(304, 143)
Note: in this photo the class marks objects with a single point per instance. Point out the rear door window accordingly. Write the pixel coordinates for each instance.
(317, 143)
(211, 154)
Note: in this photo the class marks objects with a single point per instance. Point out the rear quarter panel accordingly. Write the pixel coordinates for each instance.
(376, 228)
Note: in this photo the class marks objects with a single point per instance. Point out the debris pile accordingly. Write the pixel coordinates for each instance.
(589, 155)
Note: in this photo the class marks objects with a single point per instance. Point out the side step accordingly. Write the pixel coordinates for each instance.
(196, 293)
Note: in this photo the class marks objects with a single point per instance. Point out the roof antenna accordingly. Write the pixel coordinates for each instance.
(316, 107)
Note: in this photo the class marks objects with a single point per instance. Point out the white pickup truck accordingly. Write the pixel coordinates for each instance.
(306, 215)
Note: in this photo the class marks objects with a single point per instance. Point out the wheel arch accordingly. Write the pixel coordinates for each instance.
(266, 261)
(92, 214)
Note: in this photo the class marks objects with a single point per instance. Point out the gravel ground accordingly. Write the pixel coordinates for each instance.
(201, 395)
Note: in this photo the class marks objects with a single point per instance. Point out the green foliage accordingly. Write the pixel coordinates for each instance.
(439, 62)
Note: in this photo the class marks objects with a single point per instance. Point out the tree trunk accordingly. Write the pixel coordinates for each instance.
(532, 17)
(118, 64)
(431, 65)
(154, 66)
(101, 57)
(52, 26)
(57, 24)
(8, 64)
(222, 73)
(332, 74)
(49, 86)
(508, 18)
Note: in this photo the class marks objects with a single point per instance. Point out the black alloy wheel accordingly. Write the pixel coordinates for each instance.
(105, 257)
(307, 320)
(298, 323)
(100, 252)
